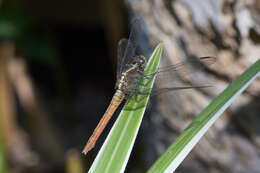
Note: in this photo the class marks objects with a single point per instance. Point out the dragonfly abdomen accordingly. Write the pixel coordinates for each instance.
(116, 100)
(125, 84)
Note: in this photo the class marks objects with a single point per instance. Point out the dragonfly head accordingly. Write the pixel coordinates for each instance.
(140, 61)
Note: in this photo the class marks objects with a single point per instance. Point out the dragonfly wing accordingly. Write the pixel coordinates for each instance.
(154, 92)
(122, 45)
(176, 77)
(185, 67)
(130, 48)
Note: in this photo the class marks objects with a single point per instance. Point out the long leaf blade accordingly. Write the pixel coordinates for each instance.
(175, 154)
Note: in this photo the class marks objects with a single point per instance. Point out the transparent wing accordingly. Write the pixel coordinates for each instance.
(129, 49)
(167, 77)
(185, 67)
(122, 45)
(154, 92)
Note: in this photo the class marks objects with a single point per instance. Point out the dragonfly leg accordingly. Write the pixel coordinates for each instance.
(147, 81)
(135, 96)
(139, 97)
(142, 83)
(148, 76)
(142, 93)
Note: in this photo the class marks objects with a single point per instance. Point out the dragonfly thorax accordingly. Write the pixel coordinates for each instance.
(129, 78)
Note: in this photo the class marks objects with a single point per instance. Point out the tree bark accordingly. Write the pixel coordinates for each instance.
(230, 31)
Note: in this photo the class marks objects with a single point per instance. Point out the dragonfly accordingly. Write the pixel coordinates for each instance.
(130, 71)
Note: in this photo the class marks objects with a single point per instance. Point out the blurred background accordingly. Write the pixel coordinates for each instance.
(58, 69)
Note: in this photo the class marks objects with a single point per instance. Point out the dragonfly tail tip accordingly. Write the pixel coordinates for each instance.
(87, 149)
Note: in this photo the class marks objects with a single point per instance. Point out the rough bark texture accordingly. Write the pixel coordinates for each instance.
(230, 31)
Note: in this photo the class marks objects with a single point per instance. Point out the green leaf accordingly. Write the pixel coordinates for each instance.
(175, 154)
(3, 160)
(115, 152)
